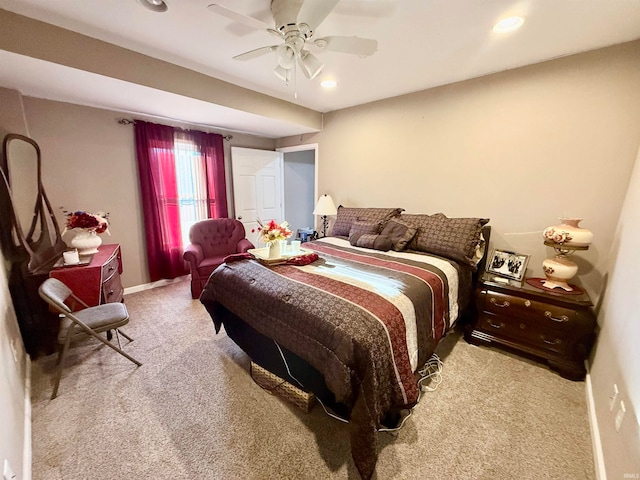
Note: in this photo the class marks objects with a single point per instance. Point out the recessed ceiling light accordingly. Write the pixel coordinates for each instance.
(154, 5)
(328, 83)
(508, 24)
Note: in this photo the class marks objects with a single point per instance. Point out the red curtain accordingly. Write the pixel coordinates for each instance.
(212, 149)
(159, 191)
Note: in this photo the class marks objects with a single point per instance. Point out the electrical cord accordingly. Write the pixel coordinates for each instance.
(432, 370)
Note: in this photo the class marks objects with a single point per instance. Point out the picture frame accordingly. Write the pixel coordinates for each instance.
(504, 263)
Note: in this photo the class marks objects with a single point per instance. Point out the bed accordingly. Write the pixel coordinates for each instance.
(356, 324)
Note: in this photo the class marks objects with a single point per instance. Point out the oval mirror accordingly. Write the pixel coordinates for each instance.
(22, 167)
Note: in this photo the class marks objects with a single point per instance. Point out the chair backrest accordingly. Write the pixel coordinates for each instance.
(54, 292)
(217, 236)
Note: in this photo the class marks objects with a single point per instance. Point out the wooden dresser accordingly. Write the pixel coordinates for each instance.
(97, 282)
(558, 328)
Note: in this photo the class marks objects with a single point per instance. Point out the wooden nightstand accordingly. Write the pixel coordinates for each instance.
(556, 327)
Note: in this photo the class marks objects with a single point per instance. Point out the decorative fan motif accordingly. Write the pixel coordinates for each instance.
(295, 23)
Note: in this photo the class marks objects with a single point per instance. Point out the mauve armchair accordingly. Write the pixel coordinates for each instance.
(211, 241)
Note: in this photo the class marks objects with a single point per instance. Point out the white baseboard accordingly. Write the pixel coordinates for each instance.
(149, 286)
(596, 444)
(27, 456)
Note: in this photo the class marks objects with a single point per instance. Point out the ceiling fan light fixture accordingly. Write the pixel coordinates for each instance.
(286, 56)
(328, 83)
(310, 65)
(508, 24)
(283, 74)
(157, 6)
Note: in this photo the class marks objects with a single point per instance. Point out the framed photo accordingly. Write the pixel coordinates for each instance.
(507, 264)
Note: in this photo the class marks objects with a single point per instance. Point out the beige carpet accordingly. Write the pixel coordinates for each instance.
(193, 412)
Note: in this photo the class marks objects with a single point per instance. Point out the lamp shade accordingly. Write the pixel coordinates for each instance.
(325, 206)
(310, 65)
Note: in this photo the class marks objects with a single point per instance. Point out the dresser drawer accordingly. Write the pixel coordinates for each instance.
(110, 268)
(547, 315)
(524, 331)
(112, 290)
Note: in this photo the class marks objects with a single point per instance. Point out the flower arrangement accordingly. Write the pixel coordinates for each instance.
(91, 222)
(273, 232)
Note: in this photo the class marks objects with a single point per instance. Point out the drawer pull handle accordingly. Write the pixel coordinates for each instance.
(501, 305)
(563, 318)
(496, 325)
(555, 341)
(111, 269)
(527, 303)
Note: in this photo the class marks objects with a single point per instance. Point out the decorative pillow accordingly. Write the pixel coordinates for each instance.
(400, 233)
(371, 240)
(454, 238)
(346, 217)
(420, 221)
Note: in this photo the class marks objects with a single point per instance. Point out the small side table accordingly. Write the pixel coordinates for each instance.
(555, 327)
(99, 281)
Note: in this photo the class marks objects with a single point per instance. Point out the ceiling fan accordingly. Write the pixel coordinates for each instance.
(295, 23)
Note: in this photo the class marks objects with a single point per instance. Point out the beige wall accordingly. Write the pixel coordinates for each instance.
(15, 439)
(521, 147)
(89, 163)
(617, 356)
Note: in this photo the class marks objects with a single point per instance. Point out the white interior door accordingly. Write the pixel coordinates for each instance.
(257, 187)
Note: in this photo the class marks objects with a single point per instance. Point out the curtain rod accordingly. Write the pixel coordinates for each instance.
(127, 121)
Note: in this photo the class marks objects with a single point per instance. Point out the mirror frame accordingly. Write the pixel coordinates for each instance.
(7, 172)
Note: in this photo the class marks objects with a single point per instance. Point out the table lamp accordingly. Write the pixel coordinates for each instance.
(324, 208)
(565, 239)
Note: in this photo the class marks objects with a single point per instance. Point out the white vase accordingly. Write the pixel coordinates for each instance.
(274, 250)
(86, 241)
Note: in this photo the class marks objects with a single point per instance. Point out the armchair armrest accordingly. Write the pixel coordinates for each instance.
(244, 245)
(193, 254)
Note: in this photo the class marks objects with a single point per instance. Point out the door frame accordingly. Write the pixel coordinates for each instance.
(304, 148)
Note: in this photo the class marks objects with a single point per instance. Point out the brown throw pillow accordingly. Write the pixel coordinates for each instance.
(400, 233)
(454, 238)
(371, 240)
(362, 228)
(346, 217)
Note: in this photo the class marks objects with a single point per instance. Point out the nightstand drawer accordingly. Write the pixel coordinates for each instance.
(524, 331)
(548, 315)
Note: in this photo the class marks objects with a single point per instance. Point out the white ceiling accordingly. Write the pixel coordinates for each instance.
(421, 44)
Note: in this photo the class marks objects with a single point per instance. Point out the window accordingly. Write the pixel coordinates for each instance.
(192, 184)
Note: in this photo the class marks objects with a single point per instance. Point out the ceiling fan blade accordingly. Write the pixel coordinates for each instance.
(258, 52)
(238, 17)
(313, 12)
(354, 45)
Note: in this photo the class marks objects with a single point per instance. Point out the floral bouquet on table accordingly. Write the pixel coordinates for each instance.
(89, 222)
(86, 226)
(273, 232)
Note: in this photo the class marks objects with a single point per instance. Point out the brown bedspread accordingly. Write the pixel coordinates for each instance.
(347, 315)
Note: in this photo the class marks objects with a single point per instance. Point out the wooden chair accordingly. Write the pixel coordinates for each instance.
(88, 322)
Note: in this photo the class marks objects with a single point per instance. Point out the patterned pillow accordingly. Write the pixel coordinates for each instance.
(400, 233)
(420, 222)
(371, 240)
(454, 238)
(362, 228)
(346, 217)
